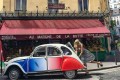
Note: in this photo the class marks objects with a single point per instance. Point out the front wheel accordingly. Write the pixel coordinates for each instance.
(14, 74)
(70, 74)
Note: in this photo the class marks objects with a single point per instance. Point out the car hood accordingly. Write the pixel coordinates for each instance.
(16, 59)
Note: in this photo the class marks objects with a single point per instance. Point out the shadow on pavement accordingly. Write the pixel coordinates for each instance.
(97, 74)
(79, 76)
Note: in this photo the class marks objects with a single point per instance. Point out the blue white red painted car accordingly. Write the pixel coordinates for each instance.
(45, 58)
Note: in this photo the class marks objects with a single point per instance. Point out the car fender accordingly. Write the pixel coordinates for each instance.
(71, 63)
(14, 64)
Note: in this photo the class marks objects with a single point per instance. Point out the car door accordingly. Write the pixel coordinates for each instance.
(54, 58)
(38, 61)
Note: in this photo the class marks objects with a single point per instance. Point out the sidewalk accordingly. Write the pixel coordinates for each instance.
(107, 64)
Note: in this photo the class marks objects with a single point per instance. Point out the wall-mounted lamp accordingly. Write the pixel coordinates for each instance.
(37, 8)
(66, 8)
(46, 8)
(3, 8)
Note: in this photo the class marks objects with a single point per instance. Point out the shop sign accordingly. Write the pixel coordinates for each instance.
(56, 6)
(100, 35)
(56, 36)
(96, 35)
(8, 38)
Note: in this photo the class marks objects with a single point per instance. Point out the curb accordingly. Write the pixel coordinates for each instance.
(103, 68)
(100, 68)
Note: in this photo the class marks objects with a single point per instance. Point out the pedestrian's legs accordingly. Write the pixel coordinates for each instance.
(99, 63)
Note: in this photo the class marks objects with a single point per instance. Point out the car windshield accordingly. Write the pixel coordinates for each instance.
(70, 46)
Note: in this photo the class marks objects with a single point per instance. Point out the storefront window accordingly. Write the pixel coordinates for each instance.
(15, 48)
(94, 44)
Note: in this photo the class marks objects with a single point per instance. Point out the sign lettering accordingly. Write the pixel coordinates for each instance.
(44, 37)
(57, 36)
(56, 6)
(67, 36)
(8, 38)
(31, 37)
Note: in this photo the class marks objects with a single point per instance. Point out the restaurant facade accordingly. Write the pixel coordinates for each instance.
(57, 21)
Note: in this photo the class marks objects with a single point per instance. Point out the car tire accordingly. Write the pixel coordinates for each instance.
(14, 74)
(70, 74)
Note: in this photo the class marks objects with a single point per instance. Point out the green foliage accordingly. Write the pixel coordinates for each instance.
(113, 23)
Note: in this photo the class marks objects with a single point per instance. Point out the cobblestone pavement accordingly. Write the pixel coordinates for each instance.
(108, 74)
(111, 76)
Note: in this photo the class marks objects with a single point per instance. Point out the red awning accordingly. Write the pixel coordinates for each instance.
(38, 27)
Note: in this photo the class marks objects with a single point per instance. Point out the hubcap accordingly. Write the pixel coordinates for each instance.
(13, 74)
(70, 74)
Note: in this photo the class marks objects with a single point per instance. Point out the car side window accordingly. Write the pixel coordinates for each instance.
(40, 52)
(52, 51)
(66, 51)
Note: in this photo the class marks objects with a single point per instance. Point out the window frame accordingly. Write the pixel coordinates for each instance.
(34, 52)
(82, 5)
(21, 4)
(53, 10)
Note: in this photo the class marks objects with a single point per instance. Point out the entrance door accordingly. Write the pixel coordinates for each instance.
(38, 62)
(54, 58)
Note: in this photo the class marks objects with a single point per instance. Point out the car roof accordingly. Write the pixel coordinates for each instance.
(52, 44)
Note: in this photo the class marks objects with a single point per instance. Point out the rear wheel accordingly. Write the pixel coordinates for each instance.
(70, 74)
(14, 74)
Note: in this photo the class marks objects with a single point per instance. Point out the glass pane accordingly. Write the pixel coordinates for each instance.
(80, 4)
(53, 51)
(40, 52)
(24, 5)
(17, 4)
(85, 4)
(66, 51)
(49, 1)
(56, 1)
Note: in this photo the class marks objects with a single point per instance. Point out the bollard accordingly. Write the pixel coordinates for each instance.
(96, 50)
(97, 58)
(113, 52)
(115, 56)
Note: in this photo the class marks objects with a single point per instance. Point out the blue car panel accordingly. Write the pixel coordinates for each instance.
(23, 64)
(37, 64)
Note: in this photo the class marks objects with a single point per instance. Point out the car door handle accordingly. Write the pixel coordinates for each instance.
(45, 58)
